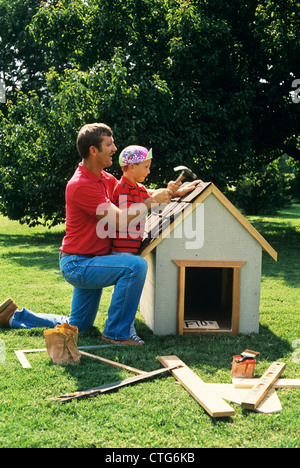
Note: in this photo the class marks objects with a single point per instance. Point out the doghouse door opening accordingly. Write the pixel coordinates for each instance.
(208, 296)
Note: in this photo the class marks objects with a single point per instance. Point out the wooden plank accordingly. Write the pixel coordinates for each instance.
(109, 387)
(213, 404)
(180, 299)
(280, 383)
(236, 301)
(114, 363)
(26, 365)
(209, 263)
(22, 359)
(270, 404)
(264, 384)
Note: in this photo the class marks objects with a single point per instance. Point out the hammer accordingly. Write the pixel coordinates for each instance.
(185, 172)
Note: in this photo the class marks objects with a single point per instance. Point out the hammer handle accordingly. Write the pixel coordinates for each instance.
(179, 178)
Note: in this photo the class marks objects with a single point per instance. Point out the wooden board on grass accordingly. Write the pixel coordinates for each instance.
(215, 406)
(280, 383)
(270, 403)
(264, 384)
(114, 363)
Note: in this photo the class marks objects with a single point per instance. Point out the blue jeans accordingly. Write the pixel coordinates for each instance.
(89, 276)
(132, 327)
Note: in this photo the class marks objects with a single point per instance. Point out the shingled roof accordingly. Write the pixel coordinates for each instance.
(169, 215)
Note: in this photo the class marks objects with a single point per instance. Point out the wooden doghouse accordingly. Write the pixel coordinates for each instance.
(204, 266)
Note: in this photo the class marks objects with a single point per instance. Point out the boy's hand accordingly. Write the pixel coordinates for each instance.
(178, 191)
(173, 187)
(161, 196)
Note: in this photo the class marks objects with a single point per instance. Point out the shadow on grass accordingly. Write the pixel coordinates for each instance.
(40, 238)
(285, 239)
(215, 352)
(27, 250)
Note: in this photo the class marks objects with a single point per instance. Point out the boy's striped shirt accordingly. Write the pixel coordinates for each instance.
(124, 195)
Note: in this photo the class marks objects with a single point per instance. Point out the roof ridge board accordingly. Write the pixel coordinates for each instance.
(191, 196)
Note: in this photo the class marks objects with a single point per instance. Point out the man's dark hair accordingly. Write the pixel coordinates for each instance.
(91, 135)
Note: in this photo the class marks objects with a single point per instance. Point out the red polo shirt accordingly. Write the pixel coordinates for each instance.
(84, 193)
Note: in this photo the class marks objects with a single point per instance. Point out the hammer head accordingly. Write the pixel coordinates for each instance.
(185, 172)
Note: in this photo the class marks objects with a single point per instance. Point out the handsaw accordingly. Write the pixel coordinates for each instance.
(111, 386)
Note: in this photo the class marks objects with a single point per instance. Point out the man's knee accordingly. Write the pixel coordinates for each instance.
(143, 265)
(139, 265)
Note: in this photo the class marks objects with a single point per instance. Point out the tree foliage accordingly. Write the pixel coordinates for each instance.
(204, 83)
(22, 63)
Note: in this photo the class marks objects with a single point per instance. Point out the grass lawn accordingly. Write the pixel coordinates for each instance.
(156, 413)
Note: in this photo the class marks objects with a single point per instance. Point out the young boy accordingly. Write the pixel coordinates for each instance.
(135, 162)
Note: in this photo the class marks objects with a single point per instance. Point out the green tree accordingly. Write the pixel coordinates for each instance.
(37, 143)
(22, 64)
(204, 83)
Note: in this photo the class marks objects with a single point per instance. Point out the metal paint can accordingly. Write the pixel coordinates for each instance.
(243, 369)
